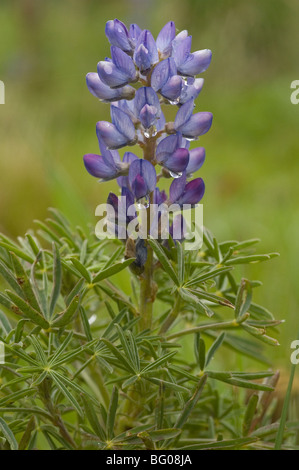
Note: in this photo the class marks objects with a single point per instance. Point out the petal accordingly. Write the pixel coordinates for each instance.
(178, 161)
(165, 37)
(112, 138)
(139, 187)
(193, 193)
(148, 116)
(178, 228)
(96, 166)
(122, 123)
(128, 158)
(142, 58)
(117, 35)
(181, 50)
(196, 159)
(111, 75)
(134, 32)
(197, 125)
(191, 90)
(177, 187)
(146, 95)
(184, 114)
(160, 124)
(113, 201)
(123, 62)
(144, 169)
(159, 196)
(146, 55)
(172, 89)
(99, 89)
(166, 147)
(196, 63)
(160, 74)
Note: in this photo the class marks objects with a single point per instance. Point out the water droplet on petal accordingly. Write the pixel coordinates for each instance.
(174, 101)
(147, 134)
(175, 175)
(143, 202)
(190, 139)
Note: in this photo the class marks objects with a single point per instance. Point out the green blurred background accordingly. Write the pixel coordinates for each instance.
(252, 165)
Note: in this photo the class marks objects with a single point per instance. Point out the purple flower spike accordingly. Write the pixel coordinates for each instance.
(196, 63)
(121, 132)
(142, 178)
(190, 193)
(165, 38)
(118, 35)
(146, 52)
(191, 89)
(119, 71)
(196, 159)
(104, 92)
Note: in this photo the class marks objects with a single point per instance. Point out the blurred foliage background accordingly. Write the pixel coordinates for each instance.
(251, 170)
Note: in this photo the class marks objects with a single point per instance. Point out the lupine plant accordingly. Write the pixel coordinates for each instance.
(93, 362)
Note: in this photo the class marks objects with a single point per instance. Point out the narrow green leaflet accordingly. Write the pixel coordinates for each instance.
(116, 268)
(8, 434)
(164, 261)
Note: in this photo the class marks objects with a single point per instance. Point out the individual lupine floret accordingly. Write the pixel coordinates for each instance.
(181, 192)
(142, 178)
(165, 79)
(119, 71)
(147, 106)
(106, 166)
(118, 35)
(118, 133)
(121, 215)
(172, 154)
(192, 125)
(104, 92)
(189, 64)
(146, 52)
(164, 40)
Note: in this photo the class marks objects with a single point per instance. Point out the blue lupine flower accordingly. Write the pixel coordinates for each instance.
(106, 166)
(196, 160)
(118, 35)
(192, 125)
(146, 52)
(191, 89)
(190, 64)
(159, 196)
(147, 106)
(165, 79)
(165, 38)
(119, 71)
(178, 228)
(181, 192)
(121, 132)
(121, 217)
(142, 178)
(172, 154)
(104, 92)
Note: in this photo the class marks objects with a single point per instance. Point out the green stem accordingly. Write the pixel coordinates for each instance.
(209, 326)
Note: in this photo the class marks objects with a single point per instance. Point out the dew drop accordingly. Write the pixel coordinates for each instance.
(143, 202)
(147, 134)
(174, 101)
(175, 175)
(190, 139)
